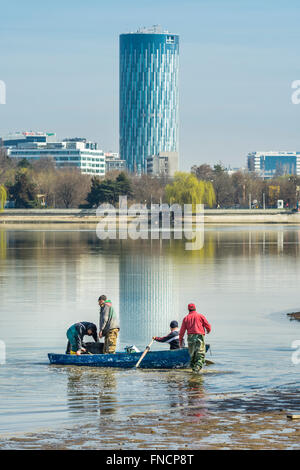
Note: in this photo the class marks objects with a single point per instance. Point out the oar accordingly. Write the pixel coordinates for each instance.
(144, 354)
(208, 362)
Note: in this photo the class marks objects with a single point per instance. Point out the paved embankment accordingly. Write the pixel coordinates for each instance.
(211, 216)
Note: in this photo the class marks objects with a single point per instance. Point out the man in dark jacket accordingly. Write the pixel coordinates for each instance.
(172, 338)
(75, 335)
(109, 326)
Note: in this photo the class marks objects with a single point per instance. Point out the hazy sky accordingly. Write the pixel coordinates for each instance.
(59, 60)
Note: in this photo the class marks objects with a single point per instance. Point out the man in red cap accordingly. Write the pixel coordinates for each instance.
(195, 324)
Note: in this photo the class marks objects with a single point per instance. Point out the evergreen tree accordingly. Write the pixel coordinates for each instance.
(108, 190)
(123, 185)
(24, 191)
(24, 163)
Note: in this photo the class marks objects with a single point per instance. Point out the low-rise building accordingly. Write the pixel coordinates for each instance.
(163, 164)
(230, 171)
(76, 152)
(114, 163)
(22, 138)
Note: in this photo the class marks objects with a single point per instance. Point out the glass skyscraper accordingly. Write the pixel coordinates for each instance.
(149, 64)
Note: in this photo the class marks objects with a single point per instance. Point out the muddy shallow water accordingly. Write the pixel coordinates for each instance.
(198, 423)
(245, 280)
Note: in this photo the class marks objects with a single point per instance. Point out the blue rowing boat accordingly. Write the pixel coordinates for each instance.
(168, 359)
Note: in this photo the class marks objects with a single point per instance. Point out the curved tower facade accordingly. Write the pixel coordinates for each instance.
(149, 65)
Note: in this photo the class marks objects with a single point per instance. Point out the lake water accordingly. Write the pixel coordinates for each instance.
(245, 280)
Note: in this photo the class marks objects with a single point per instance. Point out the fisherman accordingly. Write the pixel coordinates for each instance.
(75, 335)
(195, 324)
(109, 325)
(172, 338)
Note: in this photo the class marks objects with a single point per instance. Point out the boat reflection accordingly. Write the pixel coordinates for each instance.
(91, 391)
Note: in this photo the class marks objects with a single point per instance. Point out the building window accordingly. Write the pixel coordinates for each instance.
(170, 40)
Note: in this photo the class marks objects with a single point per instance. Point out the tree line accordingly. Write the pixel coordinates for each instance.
(243, 189)
(36, 184)
(40, 184)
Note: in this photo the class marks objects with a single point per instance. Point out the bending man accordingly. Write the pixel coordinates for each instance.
(75, 335)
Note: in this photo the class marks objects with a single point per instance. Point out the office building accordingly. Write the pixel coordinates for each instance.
(74, 153)
(23, 138)
(163, 164)
(149, 108)
(114, 163)
(271, 164)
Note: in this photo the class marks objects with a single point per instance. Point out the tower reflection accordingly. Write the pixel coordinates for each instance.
(148, 294)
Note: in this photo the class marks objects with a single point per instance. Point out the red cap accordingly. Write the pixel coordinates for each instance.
(191, 307)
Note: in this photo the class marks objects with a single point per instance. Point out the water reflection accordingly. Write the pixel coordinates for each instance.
(148, 294)
(151, 277)
(92, 391)
(188, 396)
(107, 397)
(2, 244)
(50, 279)
(111, 392)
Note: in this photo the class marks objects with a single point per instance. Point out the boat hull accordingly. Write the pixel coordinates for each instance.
(170, 359)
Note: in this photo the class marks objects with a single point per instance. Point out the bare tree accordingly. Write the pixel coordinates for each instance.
(71, 188)
(203, 172)
(148, 189)
(45, 164)
(45, 176)
(222, 184)
(7, 166)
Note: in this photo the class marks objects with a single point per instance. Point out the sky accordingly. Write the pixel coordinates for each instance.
(238, 59)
